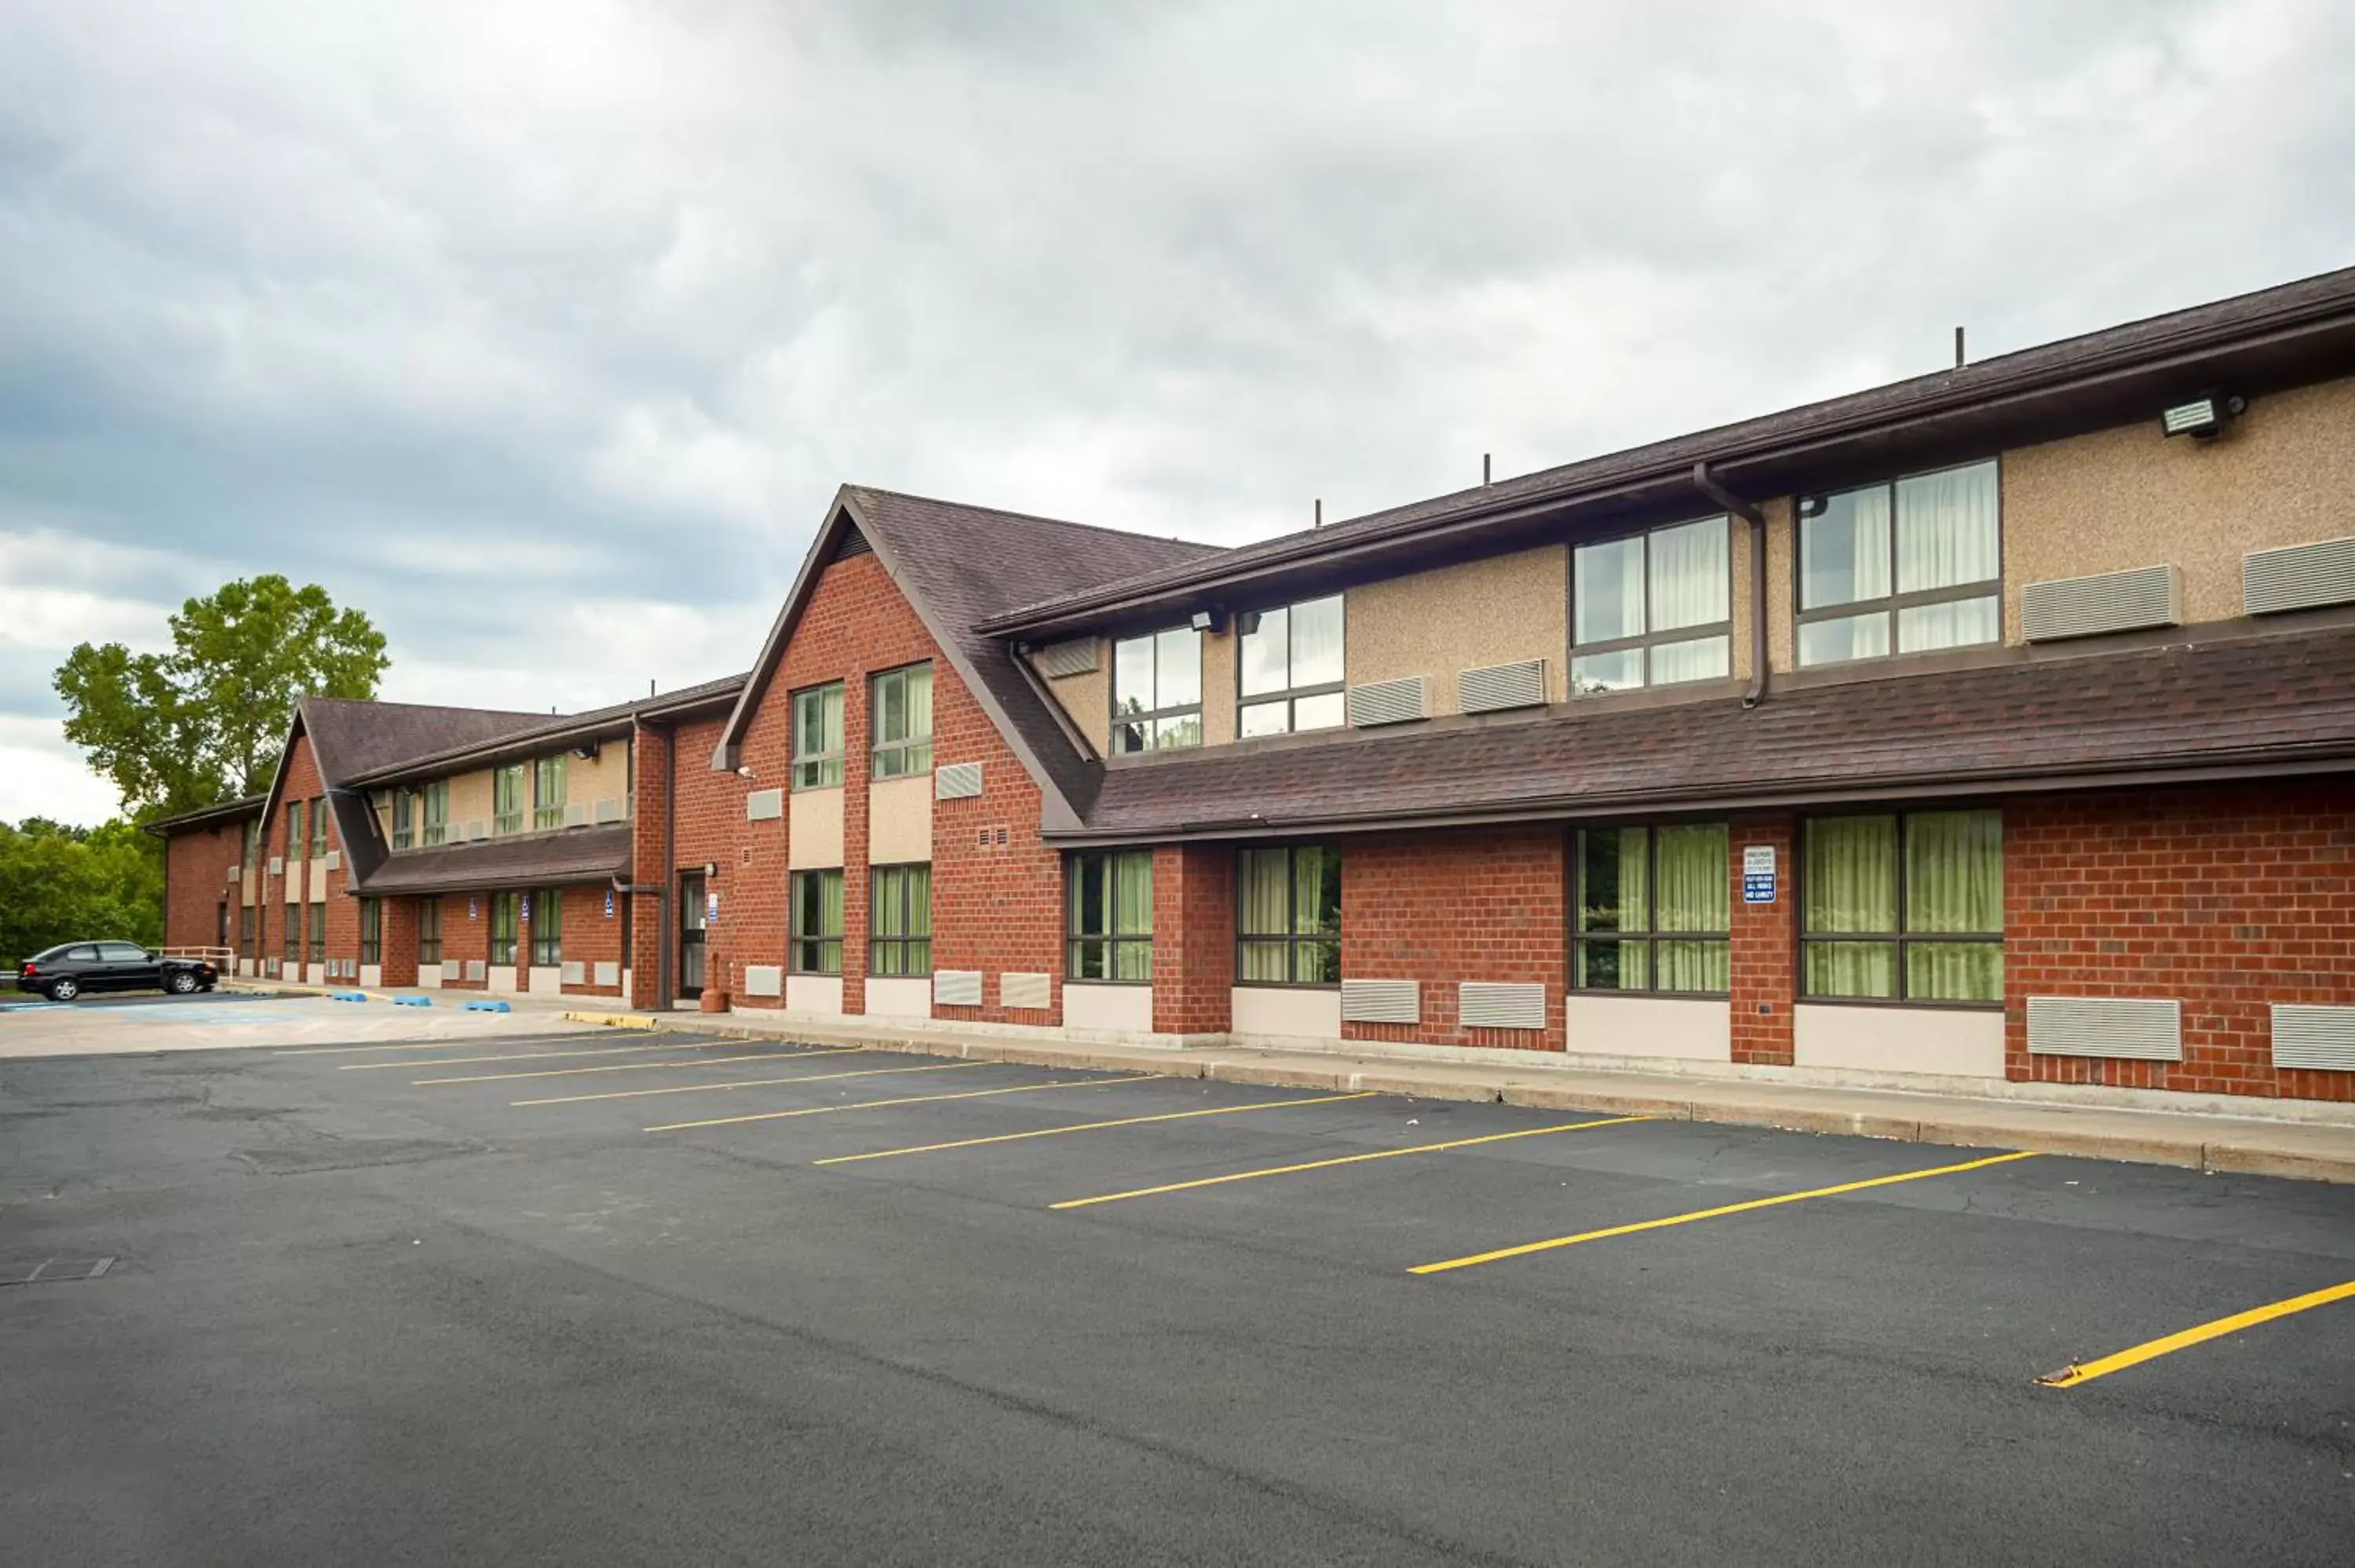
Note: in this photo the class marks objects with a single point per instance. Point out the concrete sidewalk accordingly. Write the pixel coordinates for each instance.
(2307, 1150)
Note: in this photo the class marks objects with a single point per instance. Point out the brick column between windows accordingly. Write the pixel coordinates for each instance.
(1193, 939)
(396, 933)
(1765, 946)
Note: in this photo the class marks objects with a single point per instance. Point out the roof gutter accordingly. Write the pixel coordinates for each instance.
(1705, 482)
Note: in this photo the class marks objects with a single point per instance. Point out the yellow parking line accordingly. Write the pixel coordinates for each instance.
(414, 1062)
(910, 1100)
(2078, 1373)
(1343, 1159)
(750, 1084)
(674, 1062)
(1090, 1126)
(1527, 1247)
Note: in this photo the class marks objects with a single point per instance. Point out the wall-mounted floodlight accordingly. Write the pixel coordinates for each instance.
(1247, 623)
(2201, 417)
(1205, 620)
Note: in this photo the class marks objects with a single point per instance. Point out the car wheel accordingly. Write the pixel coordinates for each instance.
(64, 989)
(179, 982)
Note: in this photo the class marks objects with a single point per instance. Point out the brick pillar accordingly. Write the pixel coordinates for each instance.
(1193, 938)
(397, 928)
(856, 761)
(1765, 946)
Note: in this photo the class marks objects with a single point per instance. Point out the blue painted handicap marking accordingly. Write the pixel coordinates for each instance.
(488, 1007)
(350, 996)
(412, 1002)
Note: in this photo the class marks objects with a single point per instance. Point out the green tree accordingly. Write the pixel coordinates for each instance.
(60, 884)
(203, 723)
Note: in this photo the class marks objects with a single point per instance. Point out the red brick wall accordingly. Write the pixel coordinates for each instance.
(398, 930)
(1487, 905)
(591, 936)
(1765, 945)
(197, 863)
(1193, 938)
(465, 940)
(650, 931)
(2229, 899)
(995, 905)
(301, 782)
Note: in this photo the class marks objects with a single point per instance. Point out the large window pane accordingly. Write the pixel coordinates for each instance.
(1690, 575)
(1267, 655)
(1133, 906)
(1316, 642)
(1289, 915)
(818, 737)
(1854, 637)
(1612, 863)
(1953, 971)
(1946, 530)
(1621, 669)
(1609, 588)
(1267, 892)
(1953, 870)
(1328, 711)
(1316, 891)
(1268, 963)
(1694, 883)
(1956, 623)
(1851, 969)
(1612, 965)
(1266, 718)
(1132, 675)
(1844, 549)
(1177, 668)
(1851, 874)
(1702, 659)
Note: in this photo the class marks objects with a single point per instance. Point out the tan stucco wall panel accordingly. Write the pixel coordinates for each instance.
(1086, 700)
(1219, 687)
(1439, 623)
(813, 830)
(2282, 473)
(900, 821)
(586, 783)
(470, 799)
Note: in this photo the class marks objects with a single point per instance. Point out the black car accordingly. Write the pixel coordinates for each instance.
(65, 972)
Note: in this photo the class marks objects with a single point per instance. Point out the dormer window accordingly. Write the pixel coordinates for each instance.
(1292, 669)
(1157, 690)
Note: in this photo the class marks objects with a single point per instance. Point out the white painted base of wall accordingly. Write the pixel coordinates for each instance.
(1287, 1012)
(764, 979)
(547, 980)
(1687, 1030)
(897, 997)
(245, 969)
(372, 976)
(1955, 1045)
(1109, 1009)
(625, 982)
(501, 980)
(314, 974)
(820, 994)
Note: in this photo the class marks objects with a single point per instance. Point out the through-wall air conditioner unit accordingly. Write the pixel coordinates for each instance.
(2106, 601)
(610, 809)
(1381, 1002)
(1386, 701)
(278, 865)
(1500, 688)
(334, 861)
(2298, 576)
(576, 814)
(477, 829)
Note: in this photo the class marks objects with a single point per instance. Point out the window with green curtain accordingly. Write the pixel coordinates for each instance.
(318, 824)
(900, 706)
(371, 931)
(503, 928)
(818, 737)
(506, 799)
(900, 921)
(429, 931)
(1111, 902)
(1905, 908)
(548, 791)
(548, 927)
(1288, 921)
(1653, 909)
(404, 819)
(437, 812)
(293, 933)
(294, 831)
(815, 907)
(318, 933)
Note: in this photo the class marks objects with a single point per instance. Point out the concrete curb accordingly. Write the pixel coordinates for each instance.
(2299, 1151)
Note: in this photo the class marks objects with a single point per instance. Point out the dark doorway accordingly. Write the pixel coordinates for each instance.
(690, 936)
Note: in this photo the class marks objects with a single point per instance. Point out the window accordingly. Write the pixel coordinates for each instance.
(1926, 550)
(294, 831)
(1289, 929)
(1112, 917)
(1653, 909)
(818, 737)
(318, 933)
(437, 812)
(1157, 690)
(547, 792)
(1905, 908)
(1291, 669)
(547, 927)
(429, 931)
(816, 900)
(252, 840)
(371, 931)
(404, 819)
(120, 953)
(294, 934)
(1652, 608)
(506, 799)
(318, 824)
(900, 921)
(245, 933)
(901, 706)
(503, 928)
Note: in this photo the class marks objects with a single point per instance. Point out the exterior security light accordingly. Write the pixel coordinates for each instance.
(1247, 622)
(1205, 620)
(2202, 416)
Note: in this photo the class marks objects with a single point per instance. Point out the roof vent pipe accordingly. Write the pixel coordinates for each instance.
(1705, 482)
(1958, 348)
(1483, 468)
(1320, 513)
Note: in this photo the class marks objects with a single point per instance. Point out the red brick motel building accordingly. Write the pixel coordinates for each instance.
(1994, 725)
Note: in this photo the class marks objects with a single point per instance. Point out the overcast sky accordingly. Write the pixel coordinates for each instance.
(543, 332)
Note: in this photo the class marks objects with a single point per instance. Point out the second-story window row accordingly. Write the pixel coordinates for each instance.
(1908, 566)
(548, 791)
(1652, 608)
(1292, 669)
(901, 710)
(817, 736)
(507, 799)
(1157, 690)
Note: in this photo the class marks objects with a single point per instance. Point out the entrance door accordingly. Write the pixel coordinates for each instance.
(690, 936)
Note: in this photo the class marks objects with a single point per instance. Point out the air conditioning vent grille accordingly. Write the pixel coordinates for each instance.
(956, 988)
(2306, 1036)
(2110, 602)
(764, 805)
(608, 808)
(956, 780)
(1029, 992)
(1493, 1004)
(764, 979)
(2141, 1028)
(1386, 702)
(1380, 1001)
(1502, 686)
(1059, 660)
(2298, 576)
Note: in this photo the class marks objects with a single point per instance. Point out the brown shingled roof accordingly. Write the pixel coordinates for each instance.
(576, 855)
(2249, 701)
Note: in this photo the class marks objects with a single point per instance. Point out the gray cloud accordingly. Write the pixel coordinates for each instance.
(482, 314)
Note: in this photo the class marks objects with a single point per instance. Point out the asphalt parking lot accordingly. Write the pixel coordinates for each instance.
(613, 1297)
